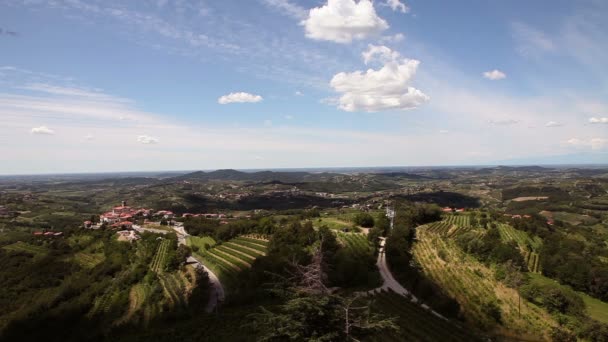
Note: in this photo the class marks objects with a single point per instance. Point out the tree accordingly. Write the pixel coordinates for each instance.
(311, 313)
(514, 279)
(364, 220)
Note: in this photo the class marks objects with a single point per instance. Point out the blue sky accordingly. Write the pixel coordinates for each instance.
(109, 85)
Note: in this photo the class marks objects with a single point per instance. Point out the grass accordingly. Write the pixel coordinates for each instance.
(21, 246)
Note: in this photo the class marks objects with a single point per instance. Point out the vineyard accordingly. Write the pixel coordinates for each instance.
(88, 260)
(415, 323)
(529, 246)
(451, 226)
(160, 258)
(229, 258)
(472, 284)
(356, 243)
(200, 241)
(459, 220)
(21, 246)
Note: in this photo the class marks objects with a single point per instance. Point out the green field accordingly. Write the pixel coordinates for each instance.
(21, 246)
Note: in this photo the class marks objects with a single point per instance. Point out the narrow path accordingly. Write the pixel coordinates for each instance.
(217, 290)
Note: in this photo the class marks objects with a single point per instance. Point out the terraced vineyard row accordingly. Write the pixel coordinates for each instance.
(357, 243)
(174, 287)
(200, 241)
(416, 323)
(88, 260)
(529, 246)
(532, 261)
(446, 228)
(460, 220)
(231, 257)
(160, 258)
(472, 284)
(508, 233)
(21, 246)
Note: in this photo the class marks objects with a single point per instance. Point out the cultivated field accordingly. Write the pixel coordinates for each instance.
(231, 257)
(20, 246)
(160, 258)
(529, 246)
(472, 284)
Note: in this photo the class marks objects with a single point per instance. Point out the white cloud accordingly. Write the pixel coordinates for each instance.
(43, 130)
(379, 53)
(343, 21)
(397, 5)
(146, 139)
(299, 93)
(595, 120)
(240, 97)
(553, 124)
(494, 75)
(444, 131)
(593, 143)
(387, 88)
(89, 137)
(288, 117)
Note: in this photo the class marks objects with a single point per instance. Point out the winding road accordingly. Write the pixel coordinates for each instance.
(390, 283)
(217, 293)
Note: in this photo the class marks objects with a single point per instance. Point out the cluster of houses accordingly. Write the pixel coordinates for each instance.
(50, 234)
(452, 210)
(122, 216)
(517, 216)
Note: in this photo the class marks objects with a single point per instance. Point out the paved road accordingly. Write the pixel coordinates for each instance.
(389, 282)
(217, 290)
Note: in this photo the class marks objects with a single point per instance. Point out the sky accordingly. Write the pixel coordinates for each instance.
(108, 85)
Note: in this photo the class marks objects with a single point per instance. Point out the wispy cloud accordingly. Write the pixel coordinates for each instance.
(530, 41)
(288, 8)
